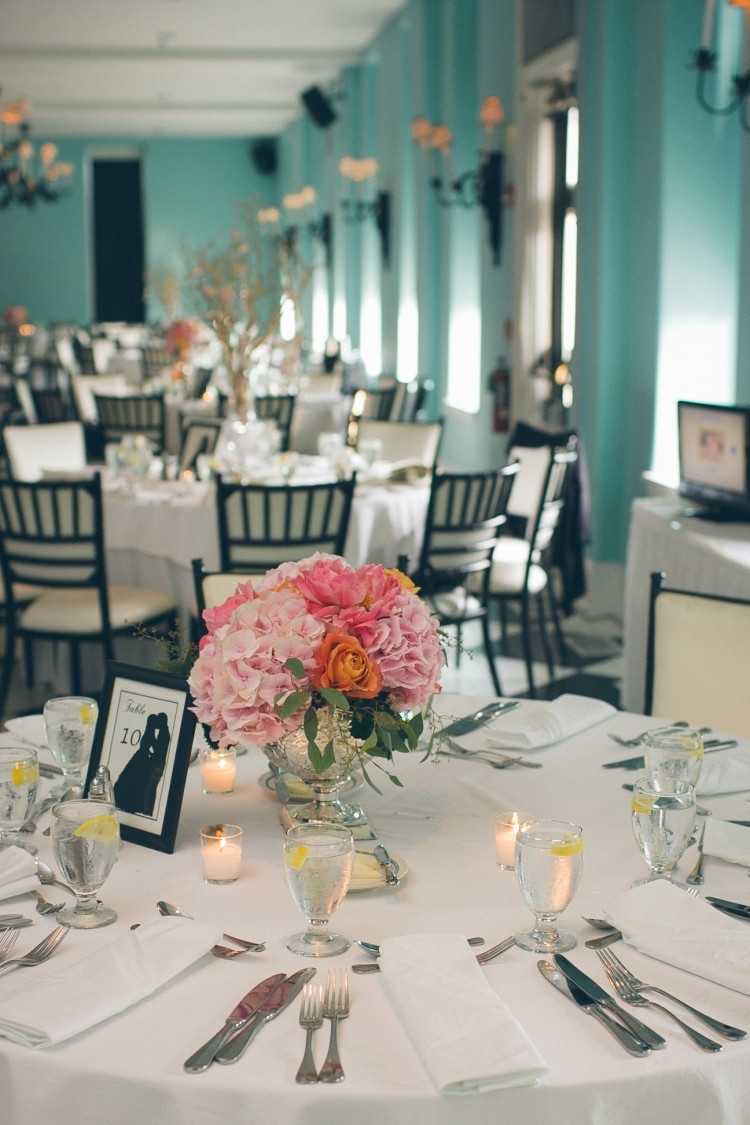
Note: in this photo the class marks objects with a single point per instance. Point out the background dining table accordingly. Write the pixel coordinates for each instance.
(440, 827)
(154, 529)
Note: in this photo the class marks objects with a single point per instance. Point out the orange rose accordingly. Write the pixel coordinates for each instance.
(344, 665)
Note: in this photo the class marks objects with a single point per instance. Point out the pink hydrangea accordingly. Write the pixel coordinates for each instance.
(241, 668)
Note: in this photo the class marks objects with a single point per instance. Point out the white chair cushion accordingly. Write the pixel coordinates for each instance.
(71, 611)
(508, 571)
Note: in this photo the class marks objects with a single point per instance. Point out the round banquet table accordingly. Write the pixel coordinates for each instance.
(129, 1068)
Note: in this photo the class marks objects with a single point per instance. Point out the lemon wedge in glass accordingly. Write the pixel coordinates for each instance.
(23, 774)
(295, 857)
(101, 828)
(568, 845)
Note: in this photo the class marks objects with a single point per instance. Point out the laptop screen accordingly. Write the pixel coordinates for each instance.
(713, 444)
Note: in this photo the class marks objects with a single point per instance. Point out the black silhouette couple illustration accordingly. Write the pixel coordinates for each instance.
(136, 788)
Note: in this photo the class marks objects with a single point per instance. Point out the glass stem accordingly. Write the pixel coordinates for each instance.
(317, 928)
(85, 904)
(545, 927)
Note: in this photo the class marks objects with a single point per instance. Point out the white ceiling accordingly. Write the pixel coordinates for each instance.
(177, 67)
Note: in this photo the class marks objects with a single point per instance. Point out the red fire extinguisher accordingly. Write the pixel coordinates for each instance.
(500, 388)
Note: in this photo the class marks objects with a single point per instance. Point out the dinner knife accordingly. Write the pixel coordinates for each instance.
(638, 763)
(201, 1059)
(280, 998)
(737, 909)
(630, 1042)
(575, 976)
(480, 717)
(389, 867)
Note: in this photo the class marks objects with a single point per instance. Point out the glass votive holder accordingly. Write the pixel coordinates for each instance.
(507, 826)
(221, 852)
(218, 769)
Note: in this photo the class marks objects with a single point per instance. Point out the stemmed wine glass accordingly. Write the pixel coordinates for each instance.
(663, 820)
(673, 754)
(70, 721)
(19, 782)
(549, 862)
(318, 862)
(85, 837)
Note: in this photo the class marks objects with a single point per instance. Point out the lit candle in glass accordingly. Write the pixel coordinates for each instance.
(218, 769)
(507, 825)
(221, 852)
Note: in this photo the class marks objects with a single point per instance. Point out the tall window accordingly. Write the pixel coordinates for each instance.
(564, 242)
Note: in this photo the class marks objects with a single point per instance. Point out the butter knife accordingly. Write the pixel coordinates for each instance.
(201, 1059)
(233, 1047)
(627, 1039)
(389, 867)
(478, 718)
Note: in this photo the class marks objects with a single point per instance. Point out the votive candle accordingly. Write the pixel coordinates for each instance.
(218, 769)
(507, 825)
(221, 852)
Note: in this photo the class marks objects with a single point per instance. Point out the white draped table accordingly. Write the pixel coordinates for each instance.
(153, 532)
(129, 1069)
(695, 554)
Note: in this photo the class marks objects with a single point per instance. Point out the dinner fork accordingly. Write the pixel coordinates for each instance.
(41, 951)
(8, 939)
(310, 1019)
(632, 981)
(335, 1008)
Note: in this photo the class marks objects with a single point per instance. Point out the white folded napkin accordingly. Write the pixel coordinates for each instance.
(29, 728)
(547, 722)
(467, 1039)
(727, 841)
(103, 983)
(17, 872)
(663, 921)
(721, 773)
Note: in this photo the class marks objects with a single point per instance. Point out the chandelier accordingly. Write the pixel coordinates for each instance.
(705, 59)
(25, 176)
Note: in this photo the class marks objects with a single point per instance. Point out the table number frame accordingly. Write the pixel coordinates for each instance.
(144, 735)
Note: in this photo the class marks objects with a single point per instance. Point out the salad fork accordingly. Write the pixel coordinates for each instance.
(45, 907)
(310, 1019)
(726, 1030)
(41, 951)
(335, 1008)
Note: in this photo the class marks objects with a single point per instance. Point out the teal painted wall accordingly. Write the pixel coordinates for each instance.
(191, 189)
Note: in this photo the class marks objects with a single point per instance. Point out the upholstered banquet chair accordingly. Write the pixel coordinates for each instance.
(52, 536)
(465, 518)
(58, 446)
(212, 587)
(261, 526)
(520, 569)
(698, 658)
(417, 442)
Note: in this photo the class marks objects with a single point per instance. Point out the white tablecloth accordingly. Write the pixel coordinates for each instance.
(710, 558)
(153, 534)
(130, 1068)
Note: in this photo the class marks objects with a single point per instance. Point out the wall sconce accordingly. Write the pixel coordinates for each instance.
(297, 202)
(357, 210)
(483, 186)
(704, 62)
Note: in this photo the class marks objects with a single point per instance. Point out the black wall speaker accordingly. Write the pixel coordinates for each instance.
(263, 154)
(318, 106)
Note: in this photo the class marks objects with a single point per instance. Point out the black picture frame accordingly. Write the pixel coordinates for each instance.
(144, 735)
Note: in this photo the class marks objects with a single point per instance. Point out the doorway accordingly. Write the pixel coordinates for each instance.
(118, 239)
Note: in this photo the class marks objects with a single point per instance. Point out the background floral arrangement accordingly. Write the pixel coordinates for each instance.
(319, 636)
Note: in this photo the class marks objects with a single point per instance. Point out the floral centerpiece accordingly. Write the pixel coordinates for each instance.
(349, 658)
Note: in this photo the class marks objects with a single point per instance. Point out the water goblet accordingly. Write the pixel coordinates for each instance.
(85, 837)
(318, 862)
(69, 721)
(673, 754)
(549, 861)
(19, 782)
(371, 450)
(663, 818)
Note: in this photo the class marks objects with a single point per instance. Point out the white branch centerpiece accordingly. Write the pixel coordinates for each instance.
(327, 668)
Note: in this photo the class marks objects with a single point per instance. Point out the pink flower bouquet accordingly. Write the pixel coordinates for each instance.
(313, 636)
